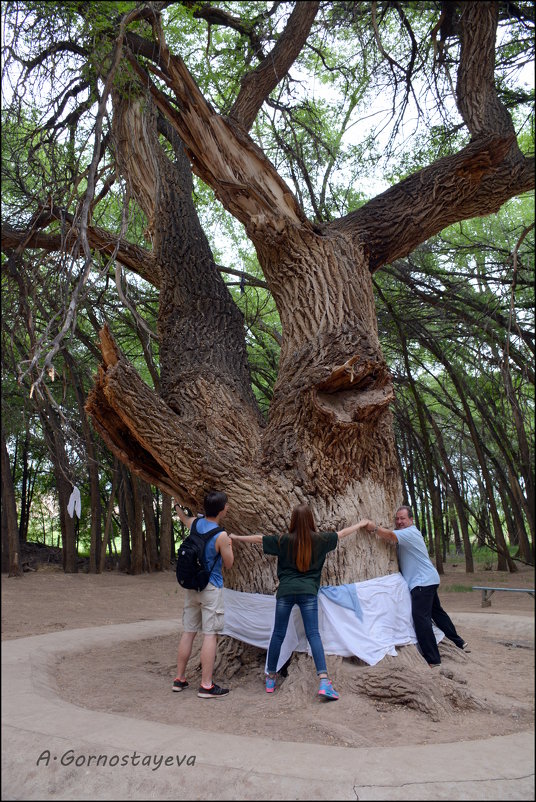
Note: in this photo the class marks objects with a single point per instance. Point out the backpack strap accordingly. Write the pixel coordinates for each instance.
(208, 535)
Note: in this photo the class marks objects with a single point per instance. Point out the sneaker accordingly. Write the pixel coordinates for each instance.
(465, 647)
(214, 692)
(179, 685)
(327, 691)
(270, 684)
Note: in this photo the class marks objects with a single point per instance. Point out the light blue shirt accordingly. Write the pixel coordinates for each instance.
(216, 577)
(415, 565)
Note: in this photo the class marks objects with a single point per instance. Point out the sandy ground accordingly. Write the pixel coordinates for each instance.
(135, 679)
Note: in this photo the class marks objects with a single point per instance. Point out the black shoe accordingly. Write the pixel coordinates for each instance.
(179, 685)
(214, 692)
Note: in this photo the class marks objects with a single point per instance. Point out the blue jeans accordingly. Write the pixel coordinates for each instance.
(308, 604)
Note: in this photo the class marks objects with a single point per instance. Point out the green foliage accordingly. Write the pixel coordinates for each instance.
(464, 314)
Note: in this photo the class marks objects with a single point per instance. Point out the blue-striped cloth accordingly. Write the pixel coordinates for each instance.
(345, 595)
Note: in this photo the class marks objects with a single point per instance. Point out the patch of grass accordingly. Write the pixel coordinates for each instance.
(456, 589)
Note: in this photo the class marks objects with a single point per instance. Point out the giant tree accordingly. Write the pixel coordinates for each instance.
(328, 436)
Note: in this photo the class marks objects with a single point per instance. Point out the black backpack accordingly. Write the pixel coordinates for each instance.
(192, 572)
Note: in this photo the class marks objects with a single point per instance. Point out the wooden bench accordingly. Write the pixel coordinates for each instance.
(487, 592)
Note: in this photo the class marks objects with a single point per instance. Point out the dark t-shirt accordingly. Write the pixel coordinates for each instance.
(290, 579)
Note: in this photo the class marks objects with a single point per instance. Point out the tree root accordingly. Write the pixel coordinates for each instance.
(236, 659)
(402, 680)
(436, 693)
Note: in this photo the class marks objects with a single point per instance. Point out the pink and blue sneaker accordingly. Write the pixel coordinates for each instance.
(270, 684)
(327, 691)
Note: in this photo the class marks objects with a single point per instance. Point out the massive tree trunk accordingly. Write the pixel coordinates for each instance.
(329, 436)
(328, 439)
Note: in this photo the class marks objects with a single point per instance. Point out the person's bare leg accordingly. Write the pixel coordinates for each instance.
(208, 656)
(183, 655)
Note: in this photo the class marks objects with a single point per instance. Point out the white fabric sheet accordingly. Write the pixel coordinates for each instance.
(386, 621)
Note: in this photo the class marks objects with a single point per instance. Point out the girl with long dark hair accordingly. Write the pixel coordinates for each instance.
(300, 556)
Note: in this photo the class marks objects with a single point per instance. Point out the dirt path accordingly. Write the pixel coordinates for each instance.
(135, 678)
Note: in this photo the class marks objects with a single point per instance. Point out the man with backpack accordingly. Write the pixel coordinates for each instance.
(203, 608)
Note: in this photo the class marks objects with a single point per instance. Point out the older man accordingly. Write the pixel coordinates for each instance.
(423, 582)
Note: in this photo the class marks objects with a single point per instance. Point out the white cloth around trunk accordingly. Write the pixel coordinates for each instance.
(385, 622)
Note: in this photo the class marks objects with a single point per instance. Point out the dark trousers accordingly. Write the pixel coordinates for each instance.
(425, 608)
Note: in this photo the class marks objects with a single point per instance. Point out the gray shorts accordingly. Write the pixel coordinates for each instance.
(203, 610)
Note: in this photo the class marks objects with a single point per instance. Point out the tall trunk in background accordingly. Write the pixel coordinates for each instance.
(514, 516)
(483, 530)
(10, 533)
(426, 523)
(135, 514)
(458, 548)
(125, 501)
(455, 494)
(504, 560)
(526, 546)
(525, 451)
(93, 469)
(151, 550)
(24, 508)
(64, 483)
(166, 533)
(108, 528)
(437, 526)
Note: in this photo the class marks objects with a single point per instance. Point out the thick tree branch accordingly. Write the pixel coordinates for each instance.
(137, 259)
(472, 183)
(136, 149)
(167, 448)
(477, 98)
(257, 85)
(247, 278)
(221, 153)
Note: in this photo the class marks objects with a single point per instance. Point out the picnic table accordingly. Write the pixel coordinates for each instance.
(487, 592)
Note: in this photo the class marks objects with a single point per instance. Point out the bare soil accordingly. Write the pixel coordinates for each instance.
(135, 679)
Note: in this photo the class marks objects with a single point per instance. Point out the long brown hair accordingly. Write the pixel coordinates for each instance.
(302, 525)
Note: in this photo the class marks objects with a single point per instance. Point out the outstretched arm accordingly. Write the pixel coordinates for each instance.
(247, 538)
(186, 520)
(349, 530)
(376, 529)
